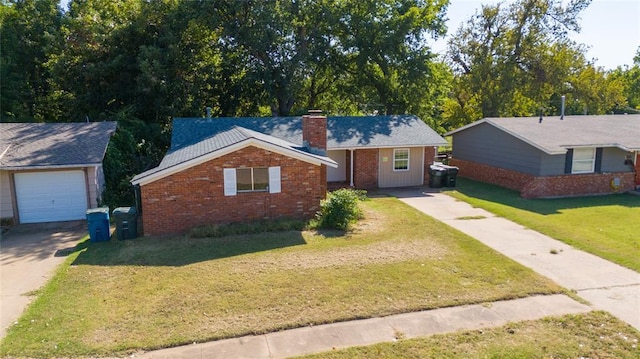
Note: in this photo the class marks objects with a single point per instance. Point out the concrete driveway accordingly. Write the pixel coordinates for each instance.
(29, 255)
(606, 285)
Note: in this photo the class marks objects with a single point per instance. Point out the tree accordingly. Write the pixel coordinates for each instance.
(382, 48)
(516, 60)
(629, 78)
(30, 37)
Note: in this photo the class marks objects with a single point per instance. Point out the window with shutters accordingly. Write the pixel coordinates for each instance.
(584, 160)
(251, 179)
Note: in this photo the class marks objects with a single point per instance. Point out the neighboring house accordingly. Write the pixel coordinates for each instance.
(552, 157)
(223, 170)
(51, 172)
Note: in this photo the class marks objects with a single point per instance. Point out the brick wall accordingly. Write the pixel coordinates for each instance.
(365, 163)
(429, 156)
(484, 173)
(195, 196)
(547, 186)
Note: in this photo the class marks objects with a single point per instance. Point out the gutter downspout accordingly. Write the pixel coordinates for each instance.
(351, 167)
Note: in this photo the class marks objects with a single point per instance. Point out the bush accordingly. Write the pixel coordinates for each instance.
(340, 209)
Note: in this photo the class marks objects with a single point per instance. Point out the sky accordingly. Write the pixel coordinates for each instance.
(610, 28)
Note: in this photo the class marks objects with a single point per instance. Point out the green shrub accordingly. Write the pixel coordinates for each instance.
(340, 209)
(221, 230)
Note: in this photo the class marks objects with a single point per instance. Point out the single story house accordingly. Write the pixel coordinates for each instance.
(552, 156)
(223, 170)
(51, 172)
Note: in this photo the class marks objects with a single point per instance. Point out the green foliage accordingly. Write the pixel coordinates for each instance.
(516, 60)
(340, 209)
(135, 147)
(222, 230)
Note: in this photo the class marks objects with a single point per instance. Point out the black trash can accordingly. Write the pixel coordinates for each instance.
(436, 176)
(450, 176)
(126, 219)
(98, 223)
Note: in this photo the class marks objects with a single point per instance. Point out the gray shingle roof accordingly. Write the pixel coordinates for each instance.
(555, 136)
(342, 132)
(220, 141)
(46, 145)
(195, 137)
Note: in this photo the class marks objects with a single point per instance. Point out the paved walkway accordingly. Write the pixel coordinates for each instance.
(607, 286)
(327, 337)
(29, 254)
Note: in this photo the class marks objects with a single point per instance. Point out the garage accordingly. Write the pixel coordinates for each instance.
(51, 196)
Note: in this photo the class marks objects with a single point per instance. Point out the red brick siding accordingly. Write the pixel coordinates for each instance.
(484, 173)
(365, 163)
(195, 196)
(548, 186)
(429, 156)
(314, 131)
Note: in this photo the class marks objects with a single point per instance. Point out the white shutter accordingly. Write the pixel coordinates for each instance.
(229, 181)
(274, 180)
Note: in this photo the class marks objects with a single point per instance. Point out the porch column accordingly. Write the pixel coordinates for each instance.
(351, 168)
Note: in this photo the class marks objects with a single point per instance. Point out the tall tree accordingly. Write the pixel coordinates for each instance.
(30, 37)
(516, 60)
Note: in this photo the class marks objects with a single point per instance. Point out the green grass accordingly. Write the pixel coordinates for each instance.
(113, 298)
(607, 226)
(591, 335)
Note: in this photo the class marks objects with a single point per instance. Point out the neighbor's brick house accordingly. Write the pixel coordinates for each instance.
(552, 157)
(228, 170)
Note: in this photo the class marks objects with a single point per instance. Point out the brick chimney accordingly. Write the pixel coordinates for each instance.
(314, 131)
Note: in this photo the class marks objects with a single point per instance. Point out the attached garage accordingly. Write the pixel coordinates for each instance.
(51, 196)
(51, 172)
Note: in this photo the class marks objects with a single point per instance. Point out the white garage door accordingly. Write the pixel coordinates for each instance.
(51, 196)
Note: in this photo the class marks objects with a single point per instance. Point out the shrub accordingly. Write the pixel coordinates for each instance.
(340, 209)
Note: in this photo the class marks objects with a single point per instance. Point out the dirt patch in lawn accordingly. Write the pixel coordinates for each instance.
(375, 253)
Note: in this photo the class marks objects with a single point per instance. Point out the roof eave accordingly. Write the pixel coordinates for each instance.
(48, 167)
(142, 179)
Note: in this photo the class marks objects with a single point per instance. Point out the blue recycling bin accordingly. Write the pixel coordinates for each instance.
(98, 222)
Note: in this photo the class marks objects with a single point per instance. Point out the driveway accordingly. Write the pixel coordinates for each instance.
(29, 255)
(606, 285)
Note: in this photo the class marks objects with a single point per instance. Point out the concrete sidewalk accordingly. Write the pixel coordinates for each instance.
(606, 285)
(328, 337)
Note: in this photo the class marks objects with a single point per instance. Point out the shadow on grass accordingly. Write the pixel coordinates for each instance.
(180, 251)
(497, 194)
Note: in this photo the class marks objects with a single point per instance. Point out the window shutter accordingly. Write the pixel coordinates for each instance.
(568, 161)
(598, 166)
(229, 181)
(274, 180)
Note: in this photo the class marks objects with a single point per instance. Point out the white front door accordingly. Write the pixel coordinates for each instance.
(51, 196)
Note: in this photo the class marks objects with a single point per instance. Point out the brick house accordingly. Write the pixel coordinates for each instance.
(224, 170)
(552, 157)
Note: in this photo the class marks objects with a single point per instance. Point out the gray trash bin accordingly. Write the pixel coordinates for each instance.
(126, 219)
(436, 176)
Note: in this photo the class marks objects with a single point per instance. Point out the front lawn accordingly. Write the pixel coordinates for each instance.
(607, 226)
(113, 298)
(590, 335)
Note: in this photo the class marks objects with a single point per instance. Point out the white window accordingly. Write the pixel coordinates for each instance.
(401, 159)
(584, 160)
(251, 179)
